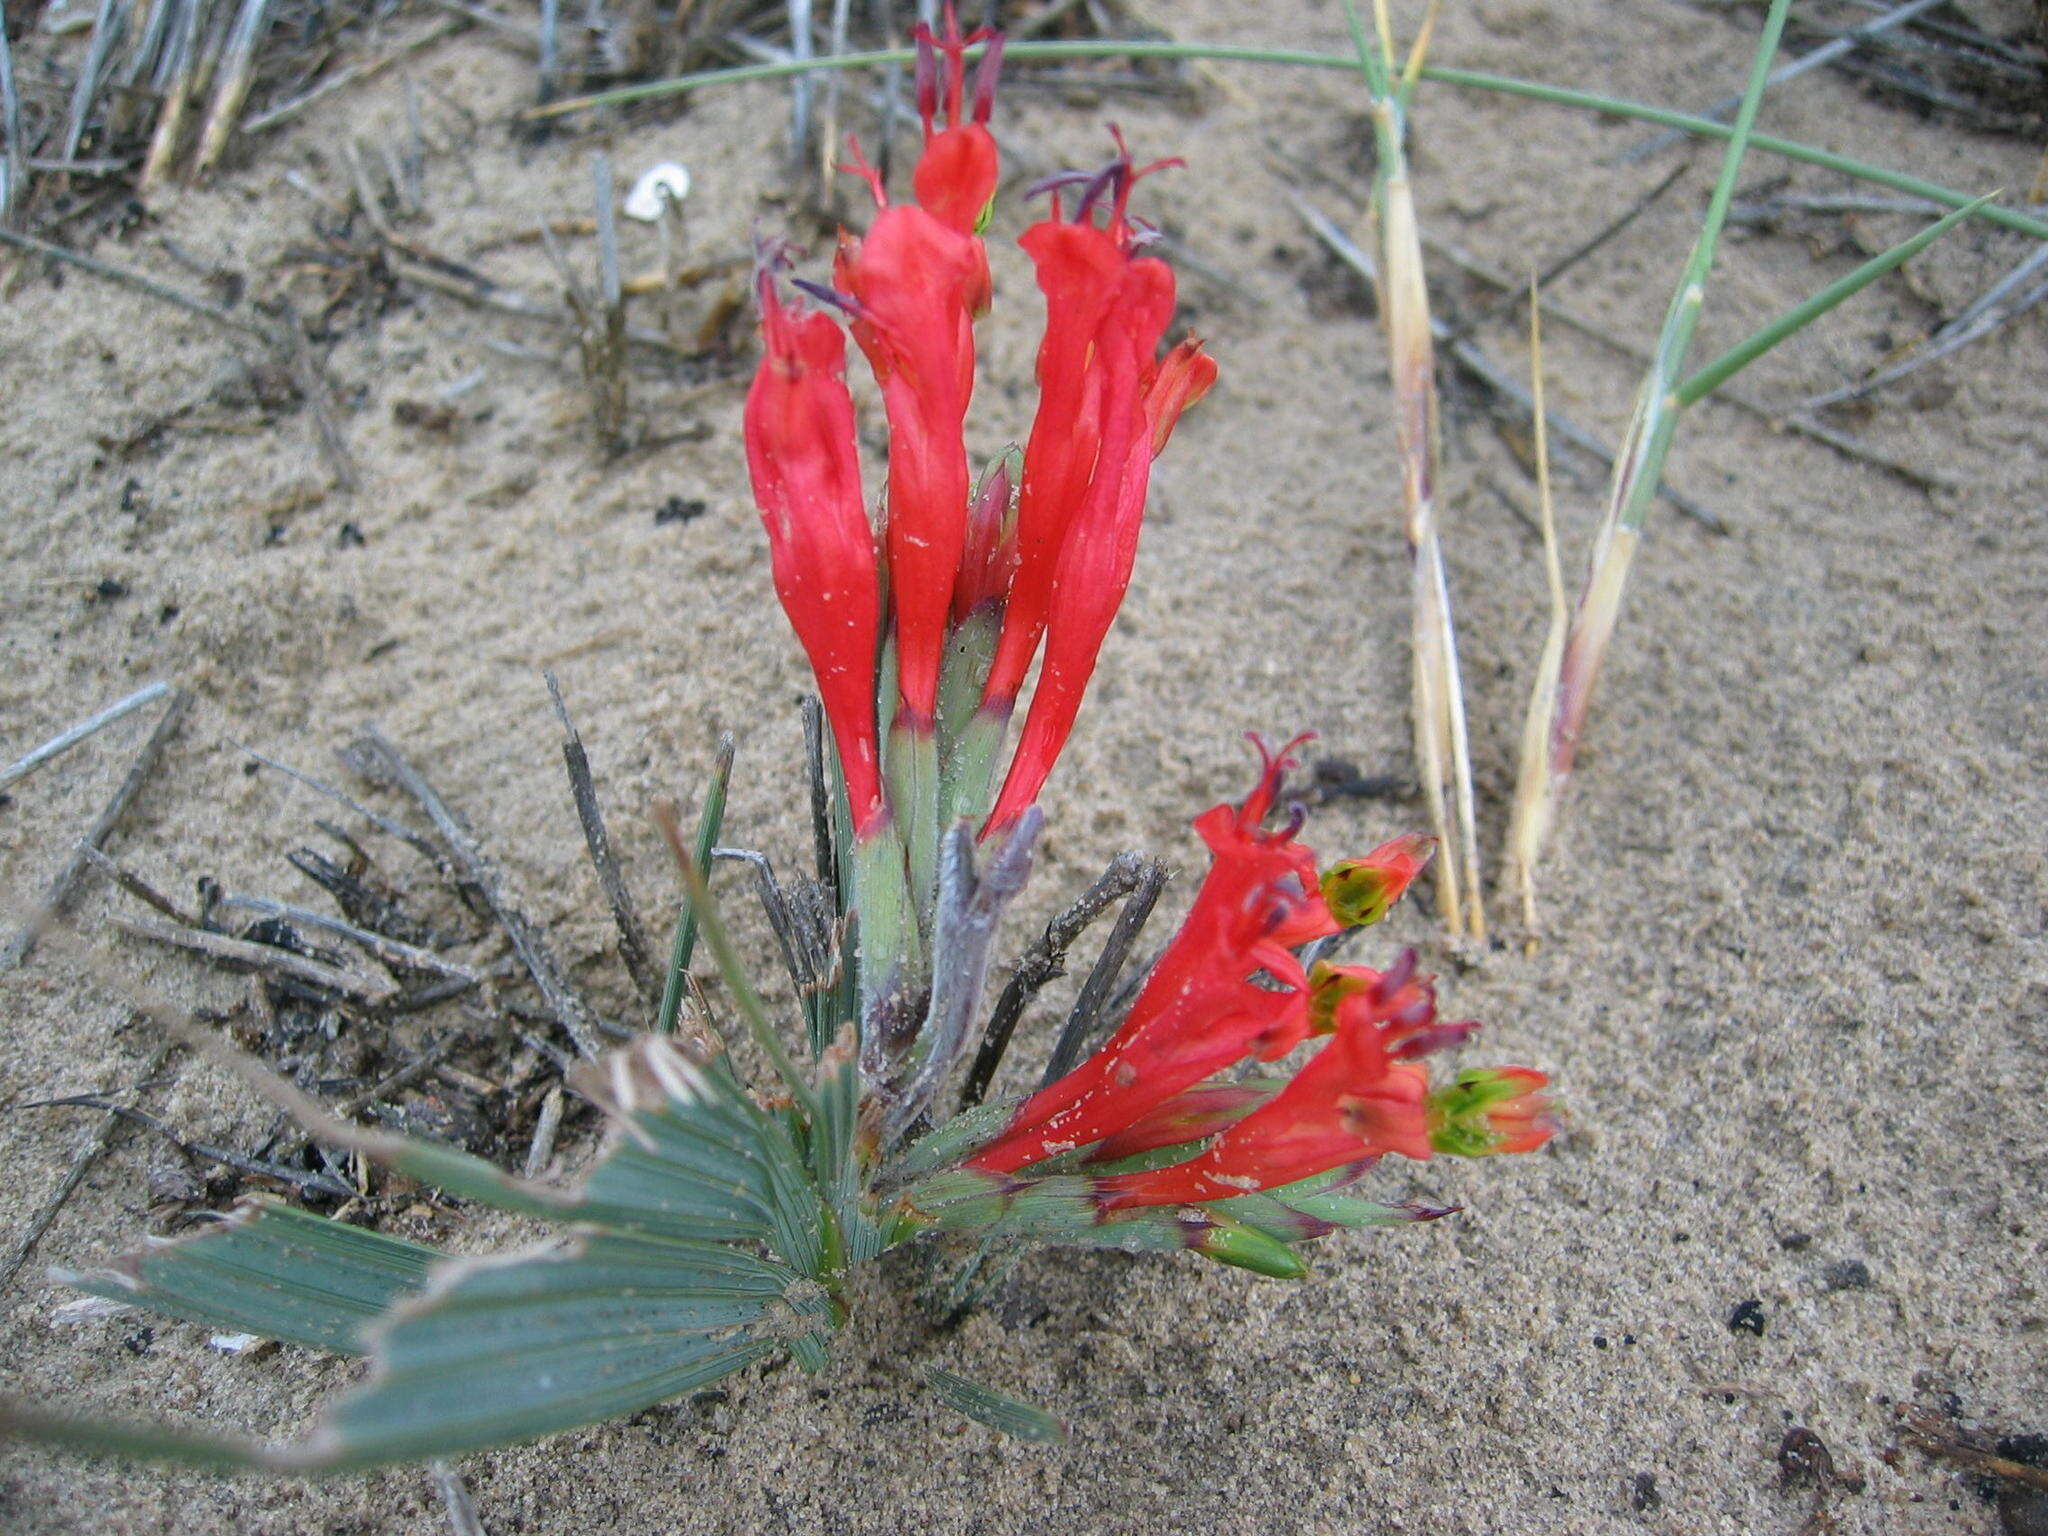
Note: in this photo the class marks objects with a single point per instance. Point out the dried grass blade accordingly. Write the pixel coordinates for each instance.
(238, 67)
(1527, 825)
(1637, 471)
(1442, 748)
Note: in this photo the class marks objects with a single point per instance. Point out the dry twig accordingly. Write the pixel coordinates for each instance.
(625, 912)
(1044, 962)
(371, 990)
(88, 1153)
(65, 885)
(377, 759)
(64, 741)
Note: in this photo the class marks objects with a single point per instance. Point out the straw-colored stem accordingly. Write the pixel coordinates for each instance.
(238, 68)
(1566, 694)
(1442, 748)
(1529, 822)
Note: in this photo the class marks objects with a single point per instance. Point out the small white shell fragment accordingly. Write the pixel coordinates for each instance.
(86, 1309)
(657, 186)
(236, 1343)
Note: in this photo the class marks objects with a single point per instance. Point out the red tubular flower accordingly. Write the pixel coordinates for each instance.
(1351, 1101)
(1203, 1111)
(1201, 1010)
(806, 473)
(1080, 271)
(915, 283)
(1106, 408)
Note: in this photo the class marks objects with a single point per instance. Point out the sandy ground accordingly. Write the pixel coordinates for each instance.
(1793, 982)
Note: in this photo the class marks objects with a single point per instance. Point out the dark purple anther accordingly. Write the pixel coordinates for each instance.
(1394, 978)
(1438, 1037)
(1110, 176)
(1413, 1016)
(1055, 182)
(985, 78)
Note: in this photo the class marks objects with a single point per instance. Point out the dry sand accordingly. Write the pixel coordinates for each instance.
(1793, 979)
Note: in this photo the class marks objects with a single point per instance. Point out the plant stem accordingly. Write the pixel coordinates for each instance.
(1302, 58)
(1639, 466)
(1437, 700)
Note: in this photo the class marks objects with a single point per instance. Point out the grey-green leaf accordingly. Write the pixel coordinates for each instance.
(1000, 1412)
(271, 1270)
(509, 1349)
(696, 1159)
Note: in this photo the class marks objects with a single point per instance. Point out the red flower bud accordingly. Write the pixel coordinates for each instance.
(806, 473)
(1491, 1110)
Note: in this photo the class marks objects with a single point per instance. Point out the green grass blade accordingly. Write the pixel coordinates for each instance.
(684, 947)
(1707, 128)
(1640, 468)
(744, 995)
(998, 1411)
(1301, 58)
(1368, 58)
(274, 1271)
(1796, 319)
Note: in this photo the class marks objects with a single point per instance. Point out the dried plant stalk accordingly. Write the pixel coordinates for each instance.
(1442, 749)
(1564, 687)
(1530, 819)
(238, 69)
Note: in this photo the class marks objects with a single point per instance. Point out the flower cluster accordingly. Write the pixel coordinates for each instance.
(1231, 986)
(922, 637)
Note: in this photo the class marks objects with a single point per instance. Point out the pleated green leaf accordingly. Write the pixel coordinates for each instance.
(271, 1270)
(696, 1160)
(508, 1349)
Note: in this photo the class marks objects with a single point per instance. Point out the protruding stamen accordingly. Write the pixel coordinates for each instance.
(1395, 977)
(1111, 175)
(1056, 181)
(824, 293)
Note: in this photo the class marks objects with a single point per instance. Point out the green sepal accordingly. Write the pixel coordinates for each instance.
(1244, 1247)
